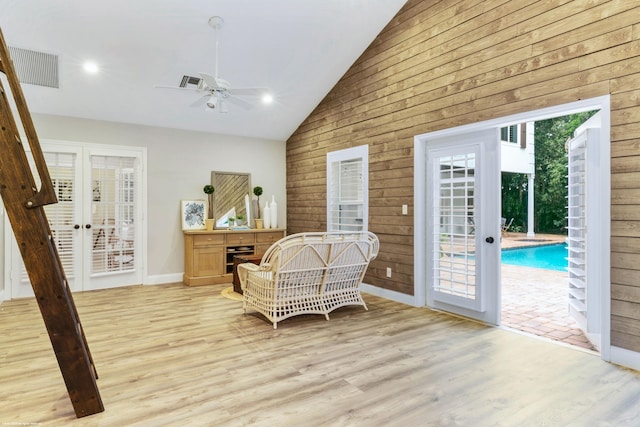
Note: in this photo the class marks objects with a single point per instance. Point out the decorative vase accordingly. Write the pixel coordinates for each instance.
(266, 215)
(255, 207)
(259, 223)
(274, 212)
(209, 223)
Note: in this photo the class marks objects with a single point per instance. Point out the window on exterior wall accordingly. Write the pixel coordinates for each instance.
(509, 134)
(347, 189)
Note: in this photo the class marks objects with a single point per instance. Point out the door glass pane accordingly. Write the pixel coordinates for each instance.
(454, 268)
(113, 186)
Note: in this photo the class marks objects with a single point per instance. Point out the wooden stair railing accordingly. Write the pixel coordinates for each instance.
(24, 206)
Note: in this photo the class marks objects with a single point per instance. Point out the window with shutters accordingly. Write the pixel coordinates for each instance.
(509, 134)
(347, 189)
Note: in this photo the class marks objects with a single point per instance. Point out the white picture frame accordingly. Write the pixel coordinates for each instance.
(193, 213)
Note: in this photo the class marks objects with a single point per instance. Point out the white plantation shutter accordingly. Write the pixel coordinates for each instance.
(347, 188)
(454, 214)
(577, 232)
(113, 181)
(61, 215)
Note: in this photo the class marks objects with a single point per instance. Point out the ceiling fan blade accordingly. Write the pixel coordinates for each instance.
(209, 80)
(187, 89)
(239, 102)
(200, 101)
(249, 91)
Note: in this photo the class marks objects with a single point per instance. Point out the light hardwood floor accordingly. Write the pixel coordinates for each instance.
(173, 355)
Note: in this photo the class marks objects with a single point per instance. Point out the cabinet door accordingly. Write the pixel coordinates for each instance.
(208, 261)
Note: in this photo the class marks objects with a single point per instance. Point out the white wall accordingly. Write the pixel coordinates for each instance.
(179, 165)
(517, 160)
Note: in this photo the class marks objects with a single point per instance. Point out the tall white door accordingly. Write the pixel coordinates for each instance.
(113, 219)
(96, 222)
(584, 235)
(463, 225)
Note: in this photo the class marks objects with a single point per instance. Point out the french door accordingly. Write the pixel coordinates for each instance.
(96, 222)
(584, 235)
(463, 225)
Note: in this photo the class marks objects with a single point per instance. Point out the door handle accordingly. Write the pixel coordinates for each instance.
(87, 226)
(489, 239)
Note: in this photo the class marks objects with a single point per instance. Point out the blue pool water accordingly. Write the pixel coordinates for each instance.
(549, 257)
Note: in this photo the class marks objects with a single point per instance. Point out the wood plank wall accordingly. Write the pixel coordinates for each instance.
(440, 64)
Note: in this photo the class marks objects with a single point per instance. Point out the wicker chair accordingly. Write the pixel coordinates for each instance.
(308, 273)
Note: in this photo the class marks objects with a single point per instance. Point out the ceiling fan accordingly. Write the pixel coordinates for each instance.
(215, 92)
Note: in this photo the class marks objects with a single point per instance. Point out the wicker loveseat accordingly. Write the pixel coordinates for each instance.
(308, 273)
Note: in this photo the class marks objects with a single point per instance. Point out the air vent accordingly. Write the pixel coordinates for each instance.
(36, 68)
(191, 82)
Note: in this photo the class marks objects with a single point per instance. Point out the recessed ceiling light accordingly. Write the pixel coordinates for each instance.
(267, 98)
(90, 67)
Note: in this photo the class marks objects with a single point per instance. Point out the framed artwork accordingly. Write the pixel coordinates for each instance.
(193, 214)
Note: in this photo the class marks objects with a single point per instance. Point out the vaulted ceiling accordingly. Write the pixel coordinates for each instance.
(298, 49)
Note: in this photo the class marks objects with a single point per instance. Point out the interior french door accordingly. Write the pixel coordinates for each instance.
(113, 218)
(95, 222)
(463, 225)
(582, 230)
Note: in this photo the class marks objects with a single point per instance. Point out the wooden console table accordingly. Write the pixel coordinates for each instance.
(209, 255)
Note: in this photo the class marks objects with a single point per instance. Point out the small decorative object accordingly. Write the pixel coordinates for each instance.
(208, 190)
(257, 191)
(232, 221)
(266, 215)
(239, 219)
(274, 213)
(193, 214)
(247, 206)
(259, 223)
(209, 221)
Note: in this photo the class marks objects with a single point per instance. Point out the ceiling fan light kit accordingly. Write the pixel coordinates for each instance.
(212, 102)
(215, 91)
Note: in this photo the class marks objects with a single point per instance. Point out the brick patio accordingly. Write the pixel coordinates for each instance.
(535, 300)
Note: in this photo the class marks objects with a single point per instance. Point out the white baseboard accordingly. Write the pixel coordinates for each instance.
(624, 357)
(161, 279)
(388, 294)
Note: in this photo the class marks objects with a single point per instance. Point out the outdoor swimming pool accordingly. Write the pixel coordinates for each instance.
(548, 257)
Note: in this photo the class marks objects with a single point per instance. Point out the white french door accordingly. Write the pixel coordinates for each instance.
(113, 218)
(583, 233)
(96, 222)
(463, 225)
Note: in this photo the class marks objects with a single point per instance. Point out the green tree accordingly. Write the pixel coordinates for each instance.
(550, 194)
(514, 199)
